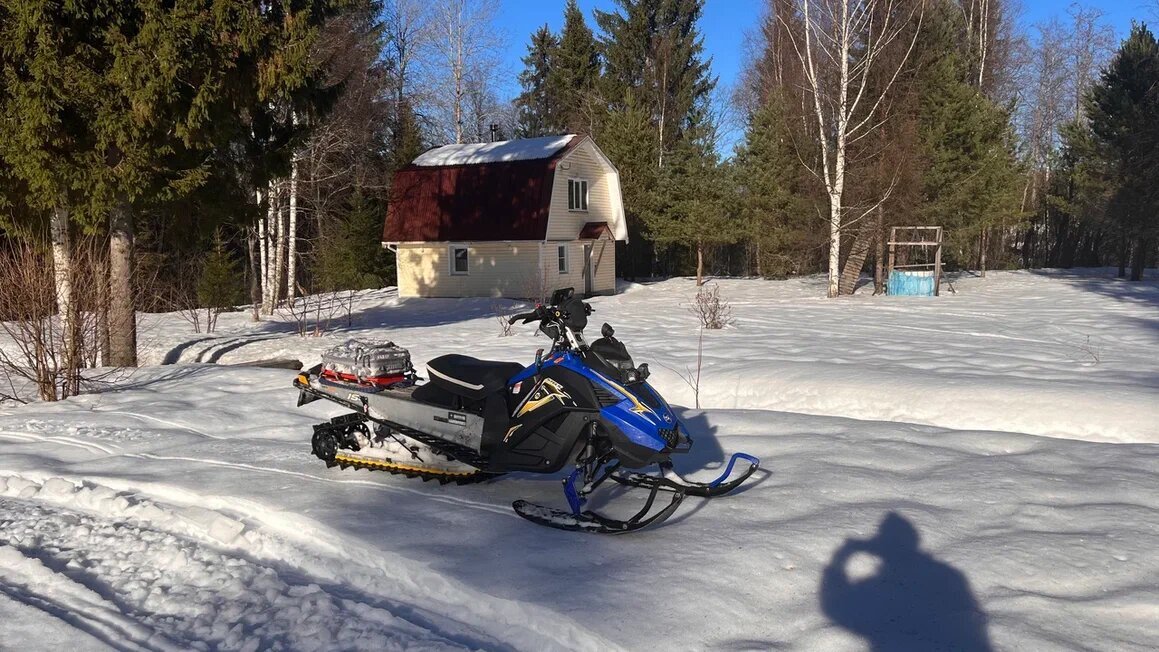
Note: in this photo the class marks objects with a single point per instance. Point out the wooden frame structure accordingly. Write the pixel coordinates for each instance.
(916, 237)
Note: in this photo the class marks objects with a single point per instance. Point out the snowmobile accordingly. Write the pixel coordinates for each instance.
(585, 405)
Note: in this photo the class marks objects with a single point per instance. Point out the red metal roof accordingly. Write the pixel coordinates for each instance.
(593, 231)
(501, 200)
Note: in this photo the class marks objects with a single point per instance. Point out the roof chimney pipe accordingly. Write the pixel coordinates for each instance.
(494, 131)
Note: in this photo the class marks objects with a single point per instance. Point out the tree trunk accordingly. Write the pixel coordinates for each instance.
(856, 260)
(122, 317)
(255, 273)
(279, 244)
(879, 263)
(1139, 260)
(699, 264)
(62, 270)
(270, 244)
(106, 344)
(292, 234)
(982, 242)
(1124, 252)
(264, 246)
(834, 244)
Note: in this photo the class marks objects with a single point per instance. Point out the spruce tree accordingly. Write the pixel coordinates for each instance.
(406, 137)
(1123, 110)
(654, 49)
(969, 175)
(627, 137)
(575, 72)
(690, 200)
(764, 176)
(219, 286)
(538, 106)
(349, 256)
(654, 66)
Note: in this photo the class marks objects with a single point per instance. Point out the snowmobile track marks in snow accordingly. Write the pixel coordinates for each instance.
(443, 477)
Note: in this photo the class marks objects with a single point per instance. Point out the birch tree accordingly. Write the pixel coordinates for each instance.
(839, 44)
(464, 39)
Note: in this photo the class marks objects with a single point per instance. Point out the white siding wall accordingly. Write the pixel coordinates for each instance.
(509, 269)
(603, 262)
(581, 163)
(506, 269)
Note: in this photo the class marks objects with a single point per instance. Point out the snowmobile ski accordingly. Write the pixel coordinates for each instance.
(589, 521)
(671, 479)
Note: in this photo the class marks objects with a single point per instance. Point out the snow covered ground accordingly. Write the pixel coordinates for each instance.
(976, 471)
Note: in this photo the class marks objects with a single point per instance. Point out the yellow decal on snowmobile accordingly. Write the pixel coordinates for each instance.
(510, 432)
(545, 392)
(637, 406)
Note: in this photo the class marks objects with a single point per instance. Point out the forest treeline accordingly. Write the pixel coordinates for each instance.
(210, 153)
(1029, 148)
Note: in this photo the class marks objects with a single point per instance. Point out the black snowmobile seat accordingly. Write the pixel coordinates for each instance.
(471, 377)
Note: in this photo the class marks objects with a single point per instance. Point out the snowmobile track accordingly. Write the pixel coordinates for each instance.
(443, 477)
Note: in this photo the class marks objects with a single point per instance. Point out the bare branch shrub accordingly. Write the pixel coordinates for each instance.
(504, 312)
(38, 352)
(536, 288)
(313, 314)
(713, 310)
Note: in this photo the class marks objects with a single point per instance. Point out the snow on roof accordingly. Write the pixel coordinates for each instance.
(527, 149)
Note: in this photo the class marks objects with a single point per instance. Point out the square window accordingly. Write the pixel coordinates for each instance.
(561, 255)
(460, 261)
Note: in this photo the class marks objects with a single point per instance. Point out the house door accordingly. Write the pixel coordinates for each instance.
(589, 273)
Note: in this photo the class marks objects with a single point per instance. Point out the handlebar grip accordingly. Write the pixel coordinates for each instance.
(525, 317)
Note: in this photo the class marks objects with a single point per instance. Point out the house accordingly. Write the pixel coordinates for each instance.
(516, 219)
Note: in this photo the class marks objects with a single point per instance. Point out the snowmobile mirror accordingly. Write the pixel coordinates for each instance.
(642, 373)
(607, 331)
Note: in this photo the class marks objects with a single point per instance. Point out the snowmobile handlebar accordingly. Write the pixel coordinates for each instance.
(528, 317)
(542, 313)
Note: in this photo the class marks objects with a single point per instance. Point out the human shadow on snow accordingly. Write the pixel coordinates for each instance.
(911, 601)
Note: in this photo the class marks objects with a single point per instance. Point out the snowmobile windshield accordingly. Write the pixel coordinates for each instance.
(610, 356)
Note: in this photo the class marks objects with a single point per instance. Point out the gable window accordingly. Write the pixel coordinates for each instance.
(561, 255)
(577, 194)
(460, 260)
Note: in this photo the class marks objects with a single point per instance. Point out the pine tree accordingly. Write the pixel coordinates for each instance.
(1082, 182)
(627, 137)
(1123, 110)
(968, 172)
(538, 106)
(655, 67)
(691, 205)
(349, 256)
(654, 49)
(406, 137)
(765, 174)
(575, 72)
(219, 286)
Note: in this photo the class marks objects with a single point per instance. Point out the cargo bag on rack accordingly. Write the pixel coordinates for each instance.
(374, 365)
